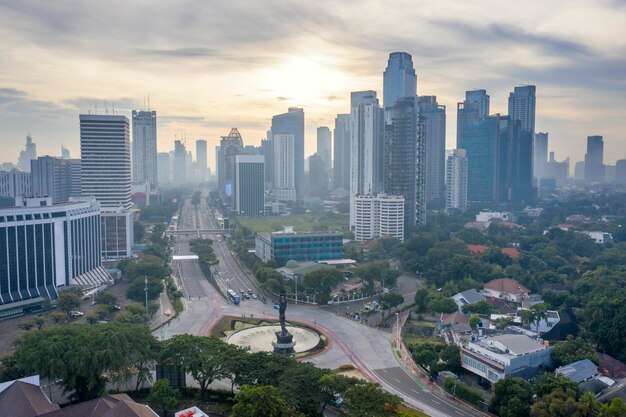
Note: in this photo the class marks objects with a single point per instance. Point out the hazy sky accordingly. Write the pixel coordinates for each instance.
(210, 65)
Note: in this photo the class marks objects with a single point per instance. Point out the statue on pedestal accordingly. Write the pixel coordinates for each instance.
(284, 340)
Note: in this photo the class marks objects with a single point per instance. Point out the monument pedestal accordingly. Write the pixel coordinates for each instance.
(284, 343)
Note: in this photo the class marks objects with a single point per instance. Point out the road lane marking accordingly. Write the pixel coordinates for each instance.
(435, 401)
(398, 381)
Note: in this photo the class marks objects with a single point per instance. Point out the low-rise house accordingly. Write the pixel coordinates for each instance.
(486, 215)
(546, 324)
(506, 289)
(600, 237)
(585, 373)
(467, 297)
(496, 357)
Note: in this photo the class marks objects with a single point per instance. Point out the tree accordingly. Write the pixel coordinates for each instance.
(163, 396)
(573, 350)
(57, 317)
(69, 299)
(261, 401)
(80, 355)
(474, 321)
(322, 280)
(136, 290)
(546, 383)
(512, 397)
(300, 385)
(421, 299)
(392, 299)
(424, 354)
(26, 324)
(481, 307)
(437, 303)
(203, 357)
(558, 403)
(105, 298)
(451, 355)
(616, 408)
(369, 400)
(334, 386)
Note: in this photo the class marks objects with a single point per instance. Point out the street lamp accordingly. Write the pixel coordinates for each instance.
(397, 330)
(145, 288)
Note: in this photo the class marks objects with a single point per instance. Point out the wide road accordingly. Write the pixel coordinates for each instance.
(368, 349)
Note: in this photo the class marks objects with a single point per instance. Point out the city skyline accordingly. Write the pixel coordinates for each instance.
(334, 57)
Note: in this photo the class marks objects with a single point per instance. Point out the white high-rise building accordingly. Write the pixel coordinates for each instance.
(284, 167)
(367, 147)
(28, 154)
(456, 180)
(144, 148)
(324, 140)
(106, 175)
(380, 215)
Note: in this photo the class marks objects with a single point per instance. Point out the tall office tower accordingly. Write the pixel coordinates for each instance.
(201, 159)
(318, 176)
(230, 147)
(145, 147)
(379, 215)
(557, 170)
(456, 180)
(250, 183)
(105, 164)
(164, 173)
(56, 178)
(481, 99)
(367, 147)
(44, 247)
(65, 153)
(594, 159)
(30, 152)
(480, 138)
(324, 147)
(399, 80)
(267, 150)
(620, 171)
(284, 167)
(15, 183)
(341, 152)
(435, 120)
(540, 155)
(579, 170)
(179, 164)
(522, 102)
(292, 123)
(404, 166)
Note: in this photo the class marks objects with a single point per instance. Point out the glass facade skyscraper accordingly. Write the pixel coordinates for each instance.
(594, 159)
(341, 154)
(434, 116)
(522, 102)
(292, 123)
(144, 147)
(399, 79)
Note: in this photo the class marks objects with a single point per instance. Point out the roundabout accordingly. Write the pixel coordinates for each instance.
(261, 338)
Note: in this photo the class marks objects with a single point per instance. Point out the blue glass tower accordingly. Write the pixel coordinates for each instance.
(399, 79)
(292, 123)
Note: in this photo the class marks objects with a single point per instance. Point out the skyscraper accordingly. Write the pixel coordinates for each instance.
(28, 154)
(267, 150)
(292, 123)
(318, 176)
(65, 153)
(179, 164)
(230, 147)
(481, 99)
(56, 178)
(594, 159)
(324, 146)
(399, 80)
(404, 161)
(341, 152)
(540, 155)
(105, 175)
(201, 159)
(435, 159)
(367, 147)
(284, 167)
(456, 180)
(522, 102)
(164, 171)
(144, 148)
(250, 183)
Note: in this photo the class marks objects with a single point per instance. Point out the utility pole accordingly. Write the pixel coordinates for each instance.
(145, 288)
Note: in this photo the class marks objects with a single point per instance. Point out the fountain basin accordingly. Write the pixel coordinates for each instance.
(261, 338)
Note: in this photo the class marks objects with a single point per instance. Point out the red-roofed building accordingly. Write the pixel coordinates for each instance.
(506, 289)
(512, 252)
(476, 249)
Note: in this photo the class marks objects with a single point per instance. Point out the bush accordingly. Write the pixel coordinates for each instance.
(463, 391)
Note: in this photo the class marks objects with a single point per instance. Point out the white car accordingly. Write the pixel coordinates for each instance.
(254, 296)
(76, 313)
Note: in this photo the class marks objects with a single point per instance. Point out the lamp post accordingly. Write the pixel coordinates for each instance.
(397, 330)
(145, 289)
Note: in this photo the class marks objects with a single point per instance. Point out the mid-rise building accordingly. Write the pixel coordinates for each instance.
(367, 147)
(55, 177)
(456, 180)
(435, 147)
(405, 161)
(15, 183)
(250, 183)
(28, 154)
(380, 215)
(324, 147)
(144, 147)
(292, 123)
(284, 167)
(341, 152)
(44, 247)
(594, 159)
(399, 80)
(299, 246)
(201, 160)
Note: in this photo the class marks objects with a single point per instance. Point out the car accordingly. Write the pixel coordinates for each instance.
(102, 321)
(247, 296)
(242, 291)
(254, 296)
(118, 308)
(249, 291)
(276, 306)
(76, 313)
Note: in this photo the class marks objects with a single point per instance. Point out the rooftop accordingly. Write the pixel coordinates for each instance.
(578, 371)
(471, 296)
(516, 344)
(507, 285)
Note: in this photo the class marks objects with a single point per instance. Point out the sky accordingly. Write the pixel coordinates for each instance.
(212, 65)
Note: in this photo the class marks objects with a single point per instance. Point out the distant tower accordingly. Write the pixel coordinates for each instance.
(522, 102)
(324, 147)
(594, 159)
(399, 80)
(456, 180)
(540, 155)
(201, 159)
(435, 121)
(65, 153)
(28, 154)
(284, 167)
(250, 185)
(341, 152)
(164, 172)
(292, 123)
(179, 172)
(144, 147)
(230, 147)
(481, 99)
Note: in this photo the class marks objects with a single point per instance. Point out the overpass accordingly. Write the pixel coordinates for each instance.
(195, 232)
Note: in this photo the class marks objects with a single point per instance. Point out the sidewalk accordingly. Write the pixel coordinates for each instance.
(165, 313)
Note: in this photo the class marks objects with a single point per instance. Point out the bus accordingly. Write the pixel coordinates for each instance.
(233, 297)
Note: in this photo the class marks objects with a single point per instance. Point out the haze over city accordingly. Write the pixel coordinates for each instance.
(207, 67)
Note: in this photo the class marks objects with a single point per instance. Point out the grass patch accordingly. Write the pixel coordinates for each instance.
(405, 411)
(301, 223)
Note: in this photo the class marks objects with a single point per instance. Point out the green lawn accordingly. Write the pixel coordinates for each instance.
(300, 223)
